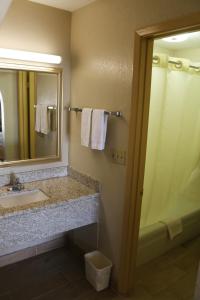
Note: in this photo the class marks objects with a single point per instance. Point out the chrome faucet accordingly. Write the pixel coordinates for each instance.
(15, 183)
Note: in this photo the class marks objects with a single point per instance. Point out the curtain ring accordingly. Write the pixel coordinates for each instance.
(156, 59)
(178, 64)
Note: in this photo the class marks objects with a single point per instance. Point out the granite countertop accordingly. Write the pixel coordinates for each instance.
(57, 189)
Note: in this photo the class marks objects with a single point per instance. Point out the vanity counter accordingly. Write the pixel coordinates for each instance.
(57, 189)
(70, 205)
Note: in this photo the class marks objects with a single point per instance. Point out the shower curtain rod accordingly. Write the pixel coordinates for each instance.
(177, 63)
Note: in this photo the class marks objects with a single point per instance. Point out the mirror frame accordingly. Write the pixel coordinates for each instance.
(59, 72)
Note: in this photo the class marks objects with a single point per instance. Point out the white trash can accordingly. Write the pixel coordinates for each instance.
(97, 269)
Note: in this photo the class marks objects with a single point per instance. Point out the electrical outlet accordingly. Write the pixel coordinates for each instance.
(118, 156)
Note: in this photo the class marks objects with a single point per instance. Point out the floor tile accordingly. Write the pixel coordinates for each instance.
(25, 273)
(185, 288)
(62, 293)
(173, 274)
(59, 275)
(43, 285)
(141, 294)
(5, 297)
(166, 295)
(155, 280)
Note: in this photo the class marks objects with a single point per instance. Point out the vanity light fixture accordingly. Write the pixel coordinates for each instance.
(30, 56)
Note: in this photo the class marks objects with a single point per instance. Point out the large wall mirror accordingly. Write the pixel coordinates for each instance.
(30, 109)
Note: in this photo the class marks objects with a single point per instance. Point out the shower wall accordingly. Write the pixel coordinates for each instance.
(172, 171)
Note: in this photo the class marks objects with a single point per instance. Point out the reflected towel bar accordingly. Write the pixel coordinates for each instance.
(110, 113)
(51, 107)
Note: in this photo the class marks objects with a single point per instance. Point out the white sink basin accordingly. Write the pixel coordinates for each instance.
(22, 198)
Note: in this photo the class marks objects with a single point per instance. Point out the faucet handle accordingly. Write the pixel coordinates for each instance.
(12, 178)
(17, 181)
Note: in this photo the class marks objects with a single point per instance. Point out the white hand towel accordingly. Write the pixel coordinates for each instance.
(38, 118)
(99, 129)
(174, 227)
(44, 119)
(86, 126)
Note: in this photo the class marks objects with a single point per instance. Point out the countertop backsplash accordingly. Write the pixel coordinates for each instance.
(34, 175)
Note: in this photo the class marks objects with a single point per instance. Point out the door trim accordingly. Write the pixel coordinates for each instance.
(142, 66)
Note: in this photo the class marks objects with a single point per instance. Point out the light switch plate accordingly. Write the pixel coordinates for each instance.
(118, 156)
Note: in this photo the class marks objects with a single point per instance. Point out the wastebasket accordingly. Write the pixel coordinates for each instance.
(97, 269)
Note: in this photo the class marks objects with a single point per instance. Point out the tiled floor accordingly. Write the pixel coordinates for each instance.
(171, 276)
(59, 275)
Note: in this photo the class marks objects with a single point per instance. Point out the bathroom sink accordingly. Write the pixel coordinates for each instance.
(22, 198)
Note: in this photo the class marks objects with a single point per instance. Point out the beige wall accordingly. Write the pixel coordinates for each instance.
(34, 27)
(102, 51)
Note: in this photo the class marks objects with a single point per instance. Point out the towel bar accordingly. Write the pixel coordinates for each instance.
(110, 113)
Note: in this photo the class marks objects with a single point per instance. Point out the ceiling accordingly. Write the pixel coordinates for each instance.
(193, 41)
(69, 5)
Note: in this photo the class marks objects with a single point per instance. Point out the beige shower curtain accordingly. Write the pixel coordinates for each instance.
(172, 174)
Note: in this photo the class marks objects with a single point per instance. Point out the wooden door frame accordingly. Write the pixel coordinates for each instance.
(138, 139)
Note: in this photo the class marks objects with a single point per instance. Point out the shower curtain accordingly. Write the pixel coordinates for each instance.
(172, 170)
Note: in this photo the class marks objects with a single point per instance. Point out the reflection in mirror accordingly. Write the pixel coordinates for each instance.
(29, 107)
(2, 129)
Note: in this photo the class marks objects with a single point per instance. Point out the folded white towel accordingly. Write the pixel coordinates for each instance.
(42, 119)
(86, 126)
(38, 118)
(99, 129)
(174, 227)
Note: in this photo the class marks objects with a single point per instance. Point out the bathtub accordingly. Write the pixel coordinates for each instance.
(154, 240)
